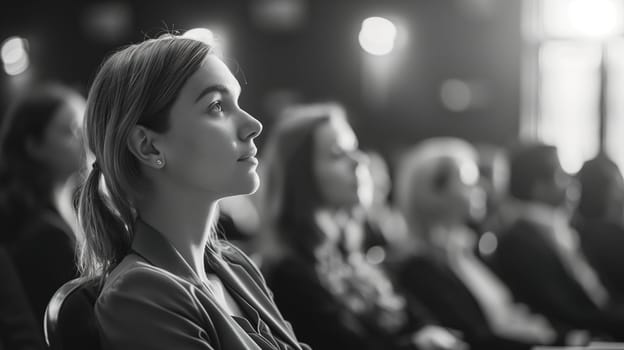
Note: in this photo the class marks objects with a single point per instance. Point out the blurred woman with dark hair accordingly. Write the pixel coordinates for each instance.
(40, 151)
(312, 179)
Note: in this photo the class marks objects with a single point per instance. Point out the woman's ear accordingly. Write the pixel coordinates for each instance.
(141, 144)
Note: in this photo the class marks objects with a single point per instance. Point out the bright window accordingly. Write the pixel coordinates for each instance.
(566, 40)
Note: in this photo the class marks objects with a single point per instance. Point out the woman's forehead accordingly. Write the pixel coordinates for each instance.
(212, 72)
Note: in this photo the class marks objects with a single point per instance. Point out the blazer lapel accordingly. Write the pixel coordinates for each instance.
(149, 244)
(237, 279)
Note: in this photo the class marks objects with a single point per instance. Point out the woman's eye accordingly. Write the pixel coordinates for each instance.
(216, 107)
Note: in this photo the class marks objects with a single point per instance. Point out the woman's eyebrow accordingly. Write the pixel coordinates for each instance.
(213, 88)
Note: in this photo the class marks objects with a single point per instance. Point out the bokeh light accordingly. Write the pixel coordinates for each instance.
(456, 95)
(377, 36)
(14, 55)
(488, 243)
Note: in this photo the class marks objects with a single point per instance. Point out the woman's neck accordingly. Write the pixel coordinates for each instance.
(184, 219)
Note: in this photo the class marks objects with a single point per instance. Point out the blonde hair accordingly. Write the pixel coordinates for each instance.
(419, 166)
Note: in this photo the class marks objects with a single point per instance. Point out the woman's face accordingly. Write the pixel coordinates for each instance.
(337, 163)
(210, 143)
(60, 147)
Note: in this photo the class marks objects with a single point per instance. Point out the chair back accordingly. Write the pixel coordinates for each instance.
(69, 321)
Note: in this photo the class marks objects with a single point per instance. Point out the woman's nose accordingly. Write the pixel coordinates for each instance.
(251, 127)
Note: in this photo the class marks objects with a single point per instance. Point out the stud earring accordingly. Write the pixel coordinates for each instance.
(159, 162)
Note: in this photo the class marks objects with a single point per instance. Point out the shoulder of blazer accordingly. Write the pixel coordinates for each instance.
(138, 281)
(138, 293)
(134, 278)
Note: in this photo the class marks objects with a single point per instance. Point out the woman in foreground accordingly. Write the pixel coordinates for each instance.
(170, 141)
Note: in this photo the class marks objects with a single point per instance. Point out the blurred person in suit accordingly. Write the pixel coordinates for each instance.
(599, 220)
(539, 254)
(312, 174)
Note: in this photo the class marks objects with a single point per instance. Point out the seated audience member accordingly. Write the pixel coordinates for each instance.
(539, 255)
(599, 220)
(334, 298)
(40, 153)
(437, 191)
(170, 141)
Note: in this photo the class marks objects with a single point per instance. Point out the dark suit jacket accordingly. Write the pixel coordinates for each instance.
(44, 257)
(602, 244)
(528, 262)
(18, 330)
(153, 300)
(450, 301)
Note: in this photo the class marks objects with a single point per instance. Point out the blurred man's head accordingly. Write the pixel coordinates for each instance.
(602, 190)
(536, 175)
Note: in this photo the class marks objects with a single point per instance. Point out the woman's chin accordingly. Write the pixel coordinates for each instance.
(251, 184)
(245, 185)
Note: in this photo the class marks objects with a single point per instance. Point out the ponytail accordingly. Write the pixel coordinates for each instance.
(107, 238)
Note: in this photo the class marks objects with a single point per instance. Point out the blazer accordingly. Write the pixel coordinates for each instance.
(602, 244)
(154, 300)
(528, 262)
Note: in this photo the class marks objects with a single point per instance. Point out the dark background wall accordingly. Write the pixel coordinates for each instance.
(473, 40)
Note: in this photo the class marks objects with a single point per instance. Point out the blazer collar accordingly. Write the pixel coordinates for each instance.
(152, 246)
(236, 278)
